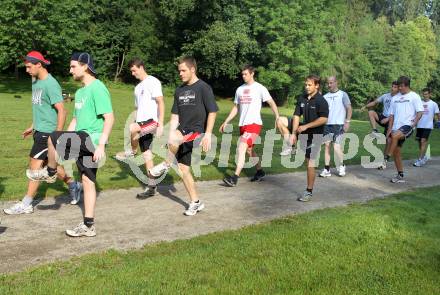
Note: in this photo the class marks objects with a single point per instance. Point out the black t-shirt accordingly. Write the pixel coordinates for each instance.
(311, 109)
(193, 103)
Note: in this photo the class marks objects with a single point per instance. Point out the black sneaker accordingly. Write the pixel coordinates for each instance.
(149, 192)
(230, 180)
(258, 176)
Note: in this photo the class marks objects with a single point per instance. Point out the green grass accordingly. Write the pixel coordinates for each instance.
(16, 115)
(387, 246)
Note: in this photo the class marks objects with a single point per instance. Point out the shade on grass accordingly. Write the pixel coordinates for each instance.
(387, 246)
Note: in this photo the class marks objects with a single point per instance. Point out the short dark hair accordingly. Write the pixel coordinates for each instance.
(395, 83)
(250, 68)
(136, 62)
(404, 80)
(427, 89)
(315, 78)
(189, 61)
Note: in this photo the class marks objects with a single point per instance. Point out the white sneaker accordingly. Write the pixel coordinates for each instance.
(397, 179)
(194, 208)
(375, 134)
(75, 193)
(325, 173)
(41, 175)
(341, 170)
(288, 150)
(81, 230)
(19, 208)
(418, 163)
(122, 156)
(159, 169)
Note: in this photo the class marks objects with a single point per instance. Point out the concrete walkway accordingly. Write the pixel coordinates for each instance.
(124, 222)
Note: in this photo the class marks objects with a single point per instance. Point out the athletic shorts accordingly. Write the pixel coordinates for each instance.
(249, 133)
(184, 153)
(290, 124)
(381, 116)
(148, 128)
(76, 145)
(422, 133)
(407, 131)
(311, 147)
(333, 133)
(39, 148)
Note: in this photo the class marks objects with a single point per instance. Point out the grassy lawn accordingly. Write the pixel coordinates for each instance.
(387, 246)
(16, 115)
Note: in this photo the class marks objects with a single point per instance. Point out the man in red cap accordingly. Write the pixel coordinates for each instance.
(48, 115)
(86, 138)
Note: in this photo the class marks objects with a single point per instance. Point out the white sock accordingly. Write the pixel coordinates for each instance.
(27, 201)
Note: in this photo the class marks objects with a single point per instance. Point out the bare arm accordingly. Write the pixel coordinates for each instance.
(72, 125)
(61, 115)
(274, 108)
(417, 118)
(349, 110)
(231, 116)
(161, 112)
(206, 141)
(109, 119)
(316, 123)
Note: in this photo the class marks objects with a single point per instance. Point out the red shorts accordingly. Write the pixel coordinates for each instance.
(249, 133)
(148, 127)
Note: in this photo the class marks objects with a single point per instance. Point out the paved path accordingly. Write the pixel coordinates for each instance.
(124, 222)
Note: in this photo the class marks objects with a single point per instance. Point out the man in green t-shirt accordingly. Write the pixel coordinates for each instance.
(48, 115)
(86, 137)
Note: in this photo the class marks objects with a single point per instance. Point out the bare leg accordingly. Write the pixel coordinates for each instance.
(34, 164)
(252, 153)
(89, 197)
(398, 159)
(339, 156)
(310, 173)
(189, 183)
(423, 146)
(282, 125)
(372, 115)
(327, 154)
(242, 148)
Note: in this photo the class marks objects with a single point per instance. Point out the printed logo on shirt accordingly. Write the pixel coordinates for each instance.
(425, 109)
(402, 99)
(187, 97)
(302, 105)
(246, 98)
(36, 96)
(80, 103)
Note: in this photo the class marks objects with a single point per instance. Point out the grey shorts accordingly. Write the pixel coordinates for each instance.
(333, 133)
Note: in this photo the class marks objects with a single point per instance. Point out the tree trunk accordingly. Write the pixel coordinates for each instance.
(119, 67)
(16, 71)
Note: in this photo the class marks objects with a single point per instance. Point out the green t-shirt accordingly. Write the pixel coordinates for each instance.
(45, 93)
(91, 102)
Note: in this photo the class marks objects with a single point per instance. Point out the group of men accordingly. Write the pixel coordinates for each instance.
(325, 119)
(403, 111)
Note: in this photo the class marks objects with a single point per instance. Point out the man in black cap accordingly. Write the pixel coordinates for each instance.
(86, 137)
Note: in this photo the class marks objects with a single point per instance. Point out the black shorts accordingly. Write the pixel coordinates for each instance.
(333, 133)
(407, 131)
(422, 133)
(76, 145)
(381, 116)
(184, 153)
(145, 142)
(312, 146)
(39, 148)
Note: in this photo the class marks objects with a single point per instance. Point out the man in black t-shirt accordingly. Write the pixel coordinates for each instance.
(192, 117)
(313, 107)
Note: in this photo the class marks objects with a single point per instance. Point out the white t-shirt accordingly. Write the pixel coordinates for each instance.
(404, 108)
(145, 94)
(249, 99)
(337, 103)
(430, 108)
(386, 101)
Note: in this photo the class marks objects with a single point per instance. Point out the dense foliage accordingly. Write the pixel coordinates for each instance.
(367, 44)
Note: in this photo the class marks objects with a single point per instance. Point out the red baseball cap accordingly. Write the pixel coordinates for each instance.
(35, 56)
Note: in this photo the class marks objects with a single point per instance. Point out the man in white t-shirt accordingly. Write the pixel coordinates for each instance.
(383, 117)
(406, 111)
(150, 109)
(248, 101)
(425, 125)
(338, 123)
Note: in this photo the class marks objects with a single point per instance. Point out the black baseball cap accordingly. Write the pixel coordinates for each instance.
(85, 58)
